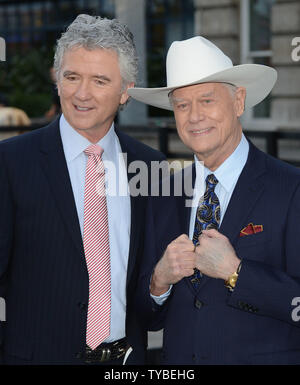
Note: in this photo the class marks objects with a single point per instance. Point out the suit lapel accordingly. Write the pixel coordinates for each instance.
(248, 189)
(136, 207)
(187, 196)
(55, 168)
(185, 212)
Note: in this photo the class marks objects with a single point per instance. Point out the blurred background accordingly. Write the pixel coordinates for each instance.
(249, 31)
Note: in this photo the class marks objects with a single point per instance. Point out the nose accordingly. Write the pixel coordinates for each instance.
(83, 90)
(196, 112)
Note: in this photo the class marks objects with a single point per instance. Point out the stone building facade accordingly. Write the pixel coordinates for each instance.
(286, 94)
(231, 25)
(258, 31)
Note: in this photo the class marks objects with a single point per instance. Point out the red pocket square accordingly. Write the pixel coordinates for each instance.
(251, 229)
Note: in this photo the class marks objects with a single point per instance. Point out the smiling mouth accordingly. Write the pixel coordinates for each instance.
(203, 131)
(82, 109)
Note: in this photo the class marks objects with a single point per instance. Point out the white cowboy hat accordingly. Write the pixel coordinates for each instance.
(197, 60)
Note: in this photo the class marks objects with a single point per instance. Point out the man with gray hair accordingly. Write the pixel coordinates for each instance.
(226, 284)
(69, 250)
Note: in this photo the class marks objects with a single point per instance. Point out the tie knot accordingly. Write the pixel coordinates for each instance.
(93, 149)
(211, 181)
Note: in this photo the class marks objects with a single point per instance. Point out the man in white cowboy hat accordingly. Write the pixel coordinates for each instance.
(225, 280)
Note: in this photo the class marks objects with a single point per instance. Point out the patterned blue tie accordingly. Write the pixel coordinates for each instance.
(207, 217)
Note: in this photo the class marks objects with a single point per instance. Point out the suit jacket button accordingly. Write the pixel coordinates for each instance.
(198, 304)
(79, 355)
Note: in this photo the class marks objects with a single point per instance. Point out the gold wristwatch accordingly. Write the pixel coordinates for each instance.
(231, 281)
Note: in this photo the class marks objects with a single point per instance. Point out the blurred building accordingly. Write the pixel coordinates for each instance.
(249, 31)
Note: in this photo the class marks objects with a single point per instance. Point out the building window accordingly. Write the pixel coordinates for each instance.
(29, 24)
(167, 20)
(256, 45)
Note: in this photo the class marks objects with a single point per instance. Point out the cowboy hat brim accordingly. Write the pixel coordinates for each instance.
(256, 78)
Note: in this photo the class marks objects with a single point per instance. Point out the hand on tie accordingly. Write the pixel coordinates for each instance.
(177, 262)
(215, 256)
(207, 217)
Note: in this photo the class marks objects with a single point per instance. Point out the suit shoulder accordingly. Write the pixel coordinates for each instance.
(274, 166)
(280, 176)
(280, 167)
(22, 141)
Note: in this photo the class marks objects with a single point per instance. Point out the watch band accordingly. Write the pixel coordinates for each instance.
(231, 281)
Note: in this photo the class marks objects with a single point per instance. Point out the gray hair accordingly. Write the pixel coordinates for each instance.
(92, 32)
(231, 88)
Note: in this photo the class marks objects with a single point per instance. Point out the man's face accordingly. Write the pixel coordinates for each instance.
(207, 120)
(89, 86)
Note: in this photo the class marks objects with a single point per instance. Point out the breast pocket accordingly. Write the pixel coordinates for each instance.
(254, 246)
(253, 239)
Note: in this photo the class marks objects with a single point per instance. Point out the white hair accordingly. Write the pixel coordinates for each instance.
(92, 32)
(231, 88)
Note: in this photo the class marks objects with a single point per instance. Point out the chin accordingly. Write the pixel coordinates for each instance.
(82, 125)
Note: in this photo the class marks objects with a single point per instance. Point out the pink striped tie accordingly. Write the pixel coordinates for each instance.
(96, 248)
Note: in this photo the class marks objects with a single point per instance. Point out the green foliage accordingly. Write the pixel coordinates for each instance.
(26, 83)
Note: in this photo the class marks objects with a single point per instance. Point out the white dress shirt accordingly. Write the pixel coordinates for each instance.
(118, 206)
(227, 175)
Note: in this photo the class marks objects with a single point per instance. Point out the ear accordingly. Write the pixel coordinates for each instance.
(124, 95)
(240, 97)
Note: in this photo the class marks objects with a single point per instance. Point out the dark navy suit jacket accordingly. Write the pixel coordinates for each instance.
(43, 274)
(254, 324)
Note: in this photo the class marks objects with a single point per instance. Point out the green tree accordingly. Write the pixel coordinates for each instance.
(25, 80)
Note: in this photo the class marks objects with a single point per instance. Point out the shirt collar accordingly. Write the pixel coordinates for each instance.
(230, 170)
(74, 144)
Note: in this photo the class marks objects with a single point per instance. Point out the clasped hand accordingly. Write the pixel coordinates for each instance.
(214, 257)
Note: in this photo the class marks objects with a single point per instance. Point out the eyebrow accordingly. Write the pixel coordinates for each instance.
(178, 100)
(101, 77)
(208, 94)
